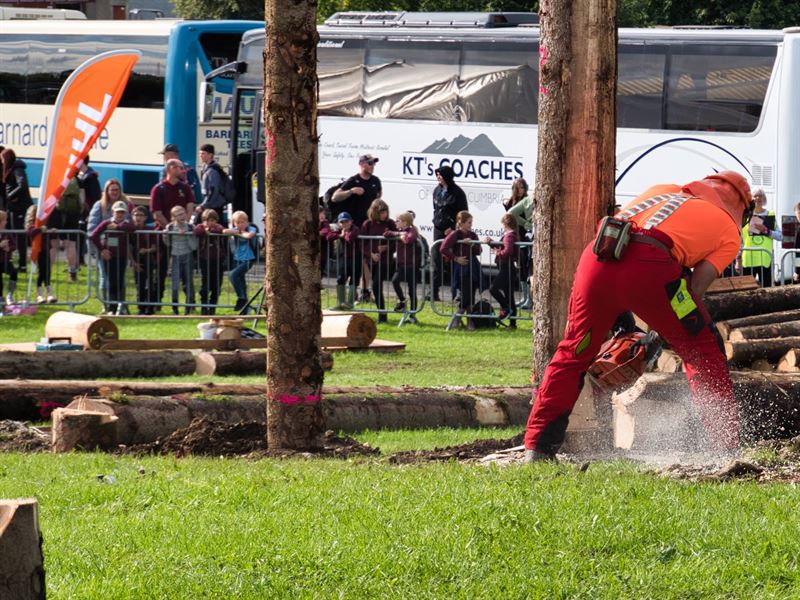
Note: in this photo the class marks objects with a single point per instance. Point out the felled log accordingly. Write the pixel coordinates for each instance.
(21, 558)
(760, 332)
(790, 362)
(243, 363)
(75, 429)
(771, 349)
(358, 329)
(725, 327)
(735, 305)
(657, 412)
(86, 330)
(669, 362)
(732, 284)
(95, 364)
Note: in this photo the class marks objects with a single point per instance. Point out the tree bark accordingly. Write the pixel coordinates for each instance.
(735, 305)
(725, 327)
(294, 373)
(95, 364)
(576, 153)
(21, 557)
(760, 332)
(771, 349)
(242, 363)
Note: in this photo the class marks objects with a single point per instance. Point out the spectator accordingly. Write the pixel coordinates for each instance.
(211, 258)
(448, 200)
(354, 197)
(70, 208)
(44, 291)
(376, 253)
(188, 176)
(7, 246)
(758, 237)
(17, 200)
(521, 206)
(466, 274)
(243, 250)
(348, 259)
(182, 244)
(324, 243)
(211, 184)
(91, 192)
(409, 259)
(112, 240)
(502, 288)
(102, 211)
(146, 248)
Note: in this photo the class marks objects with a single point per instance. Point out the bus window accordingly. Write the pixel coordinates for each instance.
(640, 86)
(220, 49)
(13, 67)
(340, 69)
(50, 62)
(718, 88)
(499, 82)
(411, 81)
(145, 87)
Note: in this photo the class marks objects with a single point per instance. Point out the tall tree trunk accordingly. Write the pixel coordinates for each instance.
(576, 155)
(294, 373)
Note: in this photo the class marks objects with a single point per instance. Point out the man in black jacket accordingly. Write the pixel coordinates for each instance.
(448, 200)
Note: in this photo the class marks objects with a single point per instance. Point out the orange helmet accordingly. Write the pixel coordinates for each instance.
(622, 359)
(738, 182)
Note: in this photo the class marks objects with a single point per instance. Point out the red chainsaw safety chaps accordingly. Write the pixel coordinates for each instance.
(600, 292)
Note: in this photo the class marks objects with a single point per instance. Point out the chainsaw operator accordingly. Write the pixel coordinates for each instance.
(669, 230)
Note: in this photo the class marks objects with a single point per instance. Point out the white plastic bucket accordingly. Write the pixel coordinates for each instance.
(207, 330)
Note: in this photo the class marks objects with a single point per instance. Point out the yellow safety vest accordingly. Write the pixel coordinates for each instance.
(760, 248)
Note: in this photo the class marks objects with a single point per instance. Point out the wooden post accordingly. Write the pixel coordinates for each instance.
(576, 156)
(21, 558)
(294, 372)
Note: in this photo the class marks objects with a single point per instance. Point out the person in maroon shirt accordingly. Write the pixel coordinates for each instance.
(324, 240)
(146, 246)
(466, 272)
(211, 253)
(502, 288)
(409, 259)
(112, 239)
(349, 260)
(376, 252)
(7, 247)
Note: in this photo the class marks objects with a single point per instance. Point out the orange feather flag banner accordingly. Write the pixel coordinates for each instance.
(83, 107)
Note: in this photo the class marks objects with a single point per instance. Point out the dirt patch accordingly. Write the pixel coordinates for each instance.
(16, 436)
(471, 451)
(206, 437)
(768, 461)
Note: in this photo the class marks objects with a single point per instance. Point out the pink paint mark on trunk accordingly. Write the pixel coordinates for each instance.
(543, 54)
(289, 399)
(270, 155)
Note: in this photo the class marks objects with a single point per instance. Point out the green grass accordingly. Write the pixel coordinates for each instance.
(204, 528)
(433, 356)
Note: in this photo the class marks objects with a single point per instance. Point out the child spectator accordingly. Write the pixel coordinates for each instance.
(44, 292)
(243, 249)
(409, 259)
(70, 206)
(111, 238)
(466, 272)
(348, 260)
(7, 247)
(376, 253)
(502, 288)
(146, 256)
(211, 255)
(182, 246)
(324, 240)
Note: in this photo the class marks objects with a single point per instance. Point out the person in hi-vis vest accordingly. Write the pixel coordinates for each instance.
(757, 240)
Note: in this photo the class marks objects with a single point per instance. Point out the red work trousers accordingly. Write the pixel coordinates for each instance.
(603, 290)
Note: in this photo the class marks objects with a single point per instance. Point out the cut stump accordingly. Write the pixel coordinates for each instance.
(21, 558)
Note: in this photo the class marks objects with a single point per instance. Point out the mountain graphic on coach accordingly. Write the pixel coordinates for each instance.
(479, 146)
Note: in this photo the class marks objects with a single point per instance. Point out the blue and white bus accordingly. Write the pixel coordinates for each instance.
(422, 90)
(162, 103)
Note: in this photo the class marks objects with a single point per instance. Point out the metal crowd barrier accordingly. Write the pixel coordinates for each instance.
(482, 280)
(355, 280)
(790, 273)
(764, 272)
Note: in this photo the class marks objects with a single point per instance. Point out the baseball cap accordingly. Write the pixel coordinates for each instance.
(367, 158)
(119, 205)
(344, 216)
(170, 148)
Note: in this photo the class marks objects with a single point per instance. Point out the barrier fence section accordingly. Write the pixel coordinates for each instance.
(790, 266)
(474, 278)
(757, 262)
(374, 274)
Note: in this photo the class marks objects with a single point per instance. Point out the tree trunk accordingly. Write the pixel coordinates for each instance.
(790, 361)
(760, 332)
(725, 327)
(95, 364)
(21, 557)
(294, 372)
(576, 153)
(735, 305)
(748, 351)
(243, 363)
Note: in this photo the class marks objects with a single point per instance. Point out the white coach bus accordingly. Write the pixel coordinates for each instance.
(419, 90)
